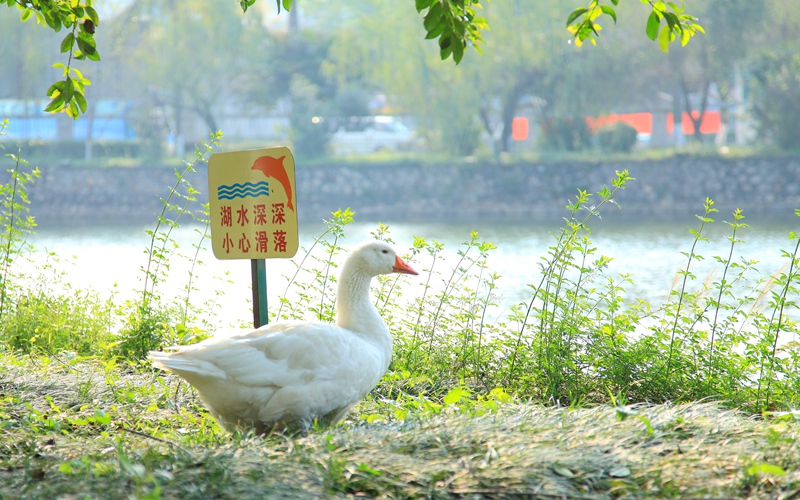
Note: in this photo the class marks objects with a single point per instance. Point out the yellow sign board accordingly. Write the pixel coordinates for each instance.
(252, 198)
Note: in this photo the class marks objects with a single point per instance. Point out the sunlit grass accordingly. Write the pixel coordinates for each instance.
(86, 428)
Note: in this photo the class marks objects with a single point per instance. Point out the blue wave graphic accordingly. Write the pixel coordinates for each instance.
(253, 189)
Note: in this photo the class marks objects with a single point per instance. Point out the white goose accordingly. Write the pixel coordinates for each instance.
(288, 375)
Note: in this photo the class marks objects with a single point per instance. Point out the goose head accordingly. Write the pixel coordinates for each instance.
(376, 257)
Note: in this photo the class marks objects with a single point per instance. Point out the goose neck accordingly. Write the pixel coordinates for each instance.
(354, 309)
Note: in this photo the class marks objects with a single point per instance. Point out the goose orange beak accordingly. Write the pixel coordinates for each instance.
(401, 267)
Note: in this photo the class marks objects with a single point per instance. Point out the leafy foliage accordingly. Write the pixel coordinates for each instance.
(152, 323)
(455, 23)
(81, 20)
(678, 25)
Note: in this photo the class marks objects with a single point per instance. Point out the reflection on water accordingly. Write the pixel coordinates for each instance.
(112, 258)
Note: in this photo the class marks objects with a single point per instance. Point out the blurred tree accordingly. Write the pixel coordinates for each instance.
(777, 107)
(191, 74)
(287, 70)
(528, 63)
(733, 27)
(776, 71)
(454, 22)
(27, 57)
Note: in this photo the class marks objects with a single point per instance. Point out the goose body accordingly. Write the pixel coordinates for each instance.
(290, 374)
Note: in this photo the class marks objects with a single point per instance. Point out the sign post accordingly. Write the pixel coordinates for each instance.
(252, 204)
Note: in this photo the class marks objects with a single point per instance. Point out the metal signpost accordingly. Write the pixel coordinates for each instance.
(252, 202)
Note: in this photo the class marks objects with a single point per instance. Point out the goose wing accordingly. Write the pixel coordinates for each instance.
(277, 355)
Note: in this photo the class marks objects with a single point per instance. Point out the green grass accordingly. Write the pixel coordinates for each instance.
(74, 429)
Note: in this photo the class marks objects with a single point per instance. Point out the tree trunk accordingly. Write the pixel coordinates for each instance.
(487, 124)
(702, 108)
(510, 102)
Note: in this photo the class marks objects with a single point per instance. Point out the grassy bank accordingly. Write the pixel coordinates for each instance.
(579, 390)
(85, 430)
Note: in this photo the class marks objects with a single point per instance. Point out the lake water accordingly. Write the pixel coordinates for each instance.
(110, 259)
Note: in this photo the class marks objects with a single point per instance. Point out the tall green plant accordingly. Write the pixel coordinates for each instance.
(550, 295)
(687, 274)
(17, 223)
(317, 294)
(780, 302)
(152, 323)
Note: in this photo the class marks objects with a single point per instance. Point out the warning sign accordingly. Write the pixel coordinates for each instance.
(252, 200)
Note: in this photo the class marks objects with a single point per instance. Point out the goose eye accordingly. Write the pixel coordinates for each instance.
(384, 251)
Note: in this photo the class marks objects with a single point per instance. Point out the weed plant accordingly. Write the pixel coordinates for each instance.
(40, 313)
(155, 321)
(576, 340)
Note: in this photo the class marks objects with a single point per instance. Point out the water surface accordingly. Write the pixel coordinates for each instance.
(110, 259)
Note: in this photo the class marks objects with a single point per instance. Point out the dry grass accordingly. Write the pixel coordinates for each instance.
(150, 449)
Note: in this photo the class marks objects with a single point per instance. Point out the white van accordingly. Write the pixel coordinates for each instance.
(361, 135)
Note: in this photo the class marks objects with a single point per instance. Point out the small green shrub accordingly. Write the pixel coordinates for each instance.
(38, 313)
(145, 330)
(45, 321)
(619, 137)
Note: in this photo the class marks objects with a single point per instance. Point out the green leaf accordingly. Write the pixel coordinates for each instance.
(672, 20)
(92, 15)
(56, 87)
(26, 14)
(287, 4)
(423, 4)
(68, 89)
(433, 17)
(72, 110)
(66, 43)
(56, 104)
(769, 469)
(102, 417)
(575, 14)
(81, 101)
(436, 32)
(563, 471)
(608, 10)
(665, 38)
(87, 48)
(87, 37)
(653, 22)
(445, 42)
(445, 47)
(458, 51)
(685, 36)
